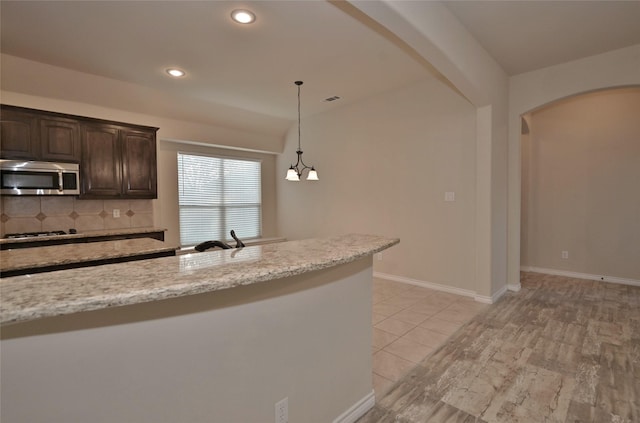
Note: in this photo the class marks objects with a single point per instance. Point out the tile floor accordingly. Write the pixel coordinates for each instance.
(560, 350)
(409, 322)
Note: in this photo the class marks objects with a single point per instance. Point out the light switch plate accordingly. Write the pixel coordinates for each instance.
(449, 196)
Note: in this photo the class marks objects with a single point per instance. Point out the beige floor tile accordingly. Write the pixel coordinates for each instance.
(398, 344)
(377, 318)
(401, 302)
(437, 301)
(396, 327)
(428, 309)
(445, 296)
(381, 385)
(400, 288)
(418, 292)
(390, 366)
(411, 316)
(390, 287)
(381, 339)
(378, 298)
(408, 349)
(426, 337)
(441, 326)
(386, 309)
(465, 299)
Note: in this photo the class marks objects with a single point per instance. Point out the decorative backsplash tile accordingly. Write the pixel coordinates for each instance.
(36, 214)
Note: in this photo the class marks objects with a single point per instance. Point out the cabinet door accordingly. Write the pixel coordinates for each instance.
(139, 164)
(18, 135)
(59, 140)
(100, 167)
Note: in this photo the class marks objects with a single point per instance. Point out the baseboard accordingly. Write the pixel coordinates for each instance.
(445, 288)
(601, 278)
(424, 284)
(515, 287)
(492, 299)
(358, 409)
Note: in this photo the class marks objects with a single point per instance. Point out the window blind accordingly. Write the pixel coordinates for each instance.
(216, 195)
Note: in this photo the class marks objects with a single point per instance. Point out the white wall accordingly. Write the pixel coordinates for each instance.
(582, 159)
(384, 167)
(433, 32)
(532, 90)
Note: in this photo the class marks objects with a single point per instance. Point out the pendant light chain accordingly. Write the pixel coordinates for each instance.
(298, 83)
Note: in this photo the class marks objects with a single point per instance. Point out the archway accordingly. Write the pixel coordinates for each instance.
(579, 198)
(532, 90)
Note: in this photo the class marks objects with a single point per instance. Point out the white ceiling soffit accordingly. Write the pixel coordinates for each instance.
(244, 67)
(527, 35)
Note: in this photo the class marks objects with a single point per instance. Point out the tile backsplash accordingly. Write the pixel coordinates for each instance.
(36, 214)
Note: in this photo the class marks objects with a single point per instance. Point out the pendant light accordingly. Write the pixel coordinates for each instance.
(295, 172)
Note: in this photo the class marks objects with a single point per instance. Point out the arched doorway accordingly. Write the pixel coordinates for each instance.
(580, 200)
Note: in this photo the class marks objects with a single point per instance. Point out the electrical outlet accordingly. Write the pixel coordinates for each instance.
(449, 196)
(116, 213)
(379, 256)
(282, 411)
(565, 254)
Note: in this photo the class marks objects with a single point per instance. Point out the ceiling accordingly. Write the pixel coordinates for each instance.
(245, 67)
(238, 71)
(527, 35)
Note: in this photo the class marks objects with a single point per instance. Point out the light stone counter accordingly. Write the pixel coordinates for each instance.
(31, 297)
(67, 254)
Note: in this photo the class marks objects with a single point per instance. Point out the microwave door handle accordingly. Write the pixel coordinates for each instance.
(60, 181)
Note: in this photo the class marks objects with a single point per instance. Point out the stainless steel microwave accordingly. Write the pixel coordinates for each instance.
(39, 178)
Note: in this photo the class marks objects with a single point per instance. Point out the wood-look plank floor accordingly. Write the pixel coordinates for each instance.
(560, 350)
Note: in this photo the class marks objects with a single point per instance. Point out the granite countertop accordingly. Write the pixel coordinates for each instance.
(86, 234)
(54, 255)
(30, 297)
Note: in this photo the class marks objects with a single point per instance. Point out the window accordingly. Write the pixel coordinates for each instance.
(217, 195)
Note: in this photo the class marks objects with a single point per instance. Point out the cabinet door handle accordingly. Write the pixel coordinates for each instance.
(60, 181)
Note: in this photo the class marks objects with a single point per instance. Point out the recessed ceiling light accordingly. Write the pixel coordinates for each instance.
(243, 16)
(177, 73)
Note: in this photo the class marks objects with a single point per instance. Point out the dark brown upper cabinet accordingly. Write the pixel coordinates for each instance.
(117, 160)
(101, 164)
(59, 140)
(19, 136)
(29, 134)
(139, 173)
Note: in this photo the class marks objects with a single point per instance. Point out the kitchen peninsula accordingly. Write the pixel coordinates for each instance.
(215, 336)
